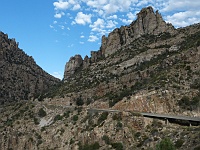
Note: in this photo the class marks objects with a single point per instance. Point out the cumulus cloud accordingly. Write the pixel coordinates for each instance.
(82, 18)
(76, 7)
(59, 15)
(183, 5)
(93, 38)
(184, 18)
(61, 5)
(98, 26)
(102, 16)
(111, 24)
(62, 27)
(131, 16)
(112, 17)
(109, 8)
(126, 21)
(182, 14)
(99, 23)
(82, 36)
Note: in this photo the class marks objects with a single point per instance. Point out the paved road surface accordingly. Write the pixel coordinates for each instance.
(163, 116)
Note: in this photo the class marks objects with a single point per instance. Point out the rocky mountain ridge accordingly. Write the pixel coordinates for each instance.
(147, 22)
(21, 78)
(146, 63)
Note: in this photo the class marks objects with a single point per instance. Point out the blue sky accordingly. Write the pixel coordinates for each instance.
(54, 30)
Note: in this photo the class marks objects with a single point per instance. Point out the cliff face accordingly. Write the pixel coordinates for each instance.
(72, 66)
(21, 78)
(147, 22)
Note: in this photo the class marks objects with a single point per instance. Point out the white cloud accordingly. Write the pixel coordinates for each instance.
(82, 18)
(112, 17)
(59, 15)
(81, 42)
(111, 24)
(62, 27)
(72, 2)
(51, 26)
(76, 7)
(101, 16)
(82, 36)
(184, 5)
(182, 13)
(131, 16)
(70, 45)
(129, 19)
(60, 5)
(97, 24)
(109, 8)
(100, 12)
(57, 75)
(186, 18)
(126, 21)
(55, 22)
(93, 38)
(142, 3)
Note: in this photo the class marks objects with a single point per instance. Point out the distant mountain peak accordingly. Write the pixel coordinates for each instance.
(147, 22)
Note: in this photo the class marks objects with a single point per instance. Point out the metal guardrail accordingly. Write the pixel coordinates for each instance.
(150, 115)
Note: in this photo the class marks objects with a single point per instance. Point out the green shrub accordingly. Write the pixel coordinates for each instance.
(184, 103)
(62, 131)
(137, 134)
(36, 121)
(119, 124)
(103, 117)
(42, 113)
(106, 139)
(71, 141)
(57, 117)
(165, 144)
(94, 146)
(117, 146)
(117, 116)
(75, 118)
(39, 142)
(79, 101)
(66, 114)
(179, 143)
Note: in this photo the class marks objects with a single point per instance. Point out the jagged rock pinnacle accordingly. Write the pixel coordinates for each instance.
(147, 22)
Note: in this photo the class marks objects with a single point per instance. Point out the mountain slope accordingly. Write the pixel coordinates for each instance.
(149, 70)
(21, 78)
(147, 66)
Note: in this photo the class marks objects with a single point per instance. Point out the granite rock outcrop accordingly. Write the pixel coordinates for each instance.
(147, 22)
